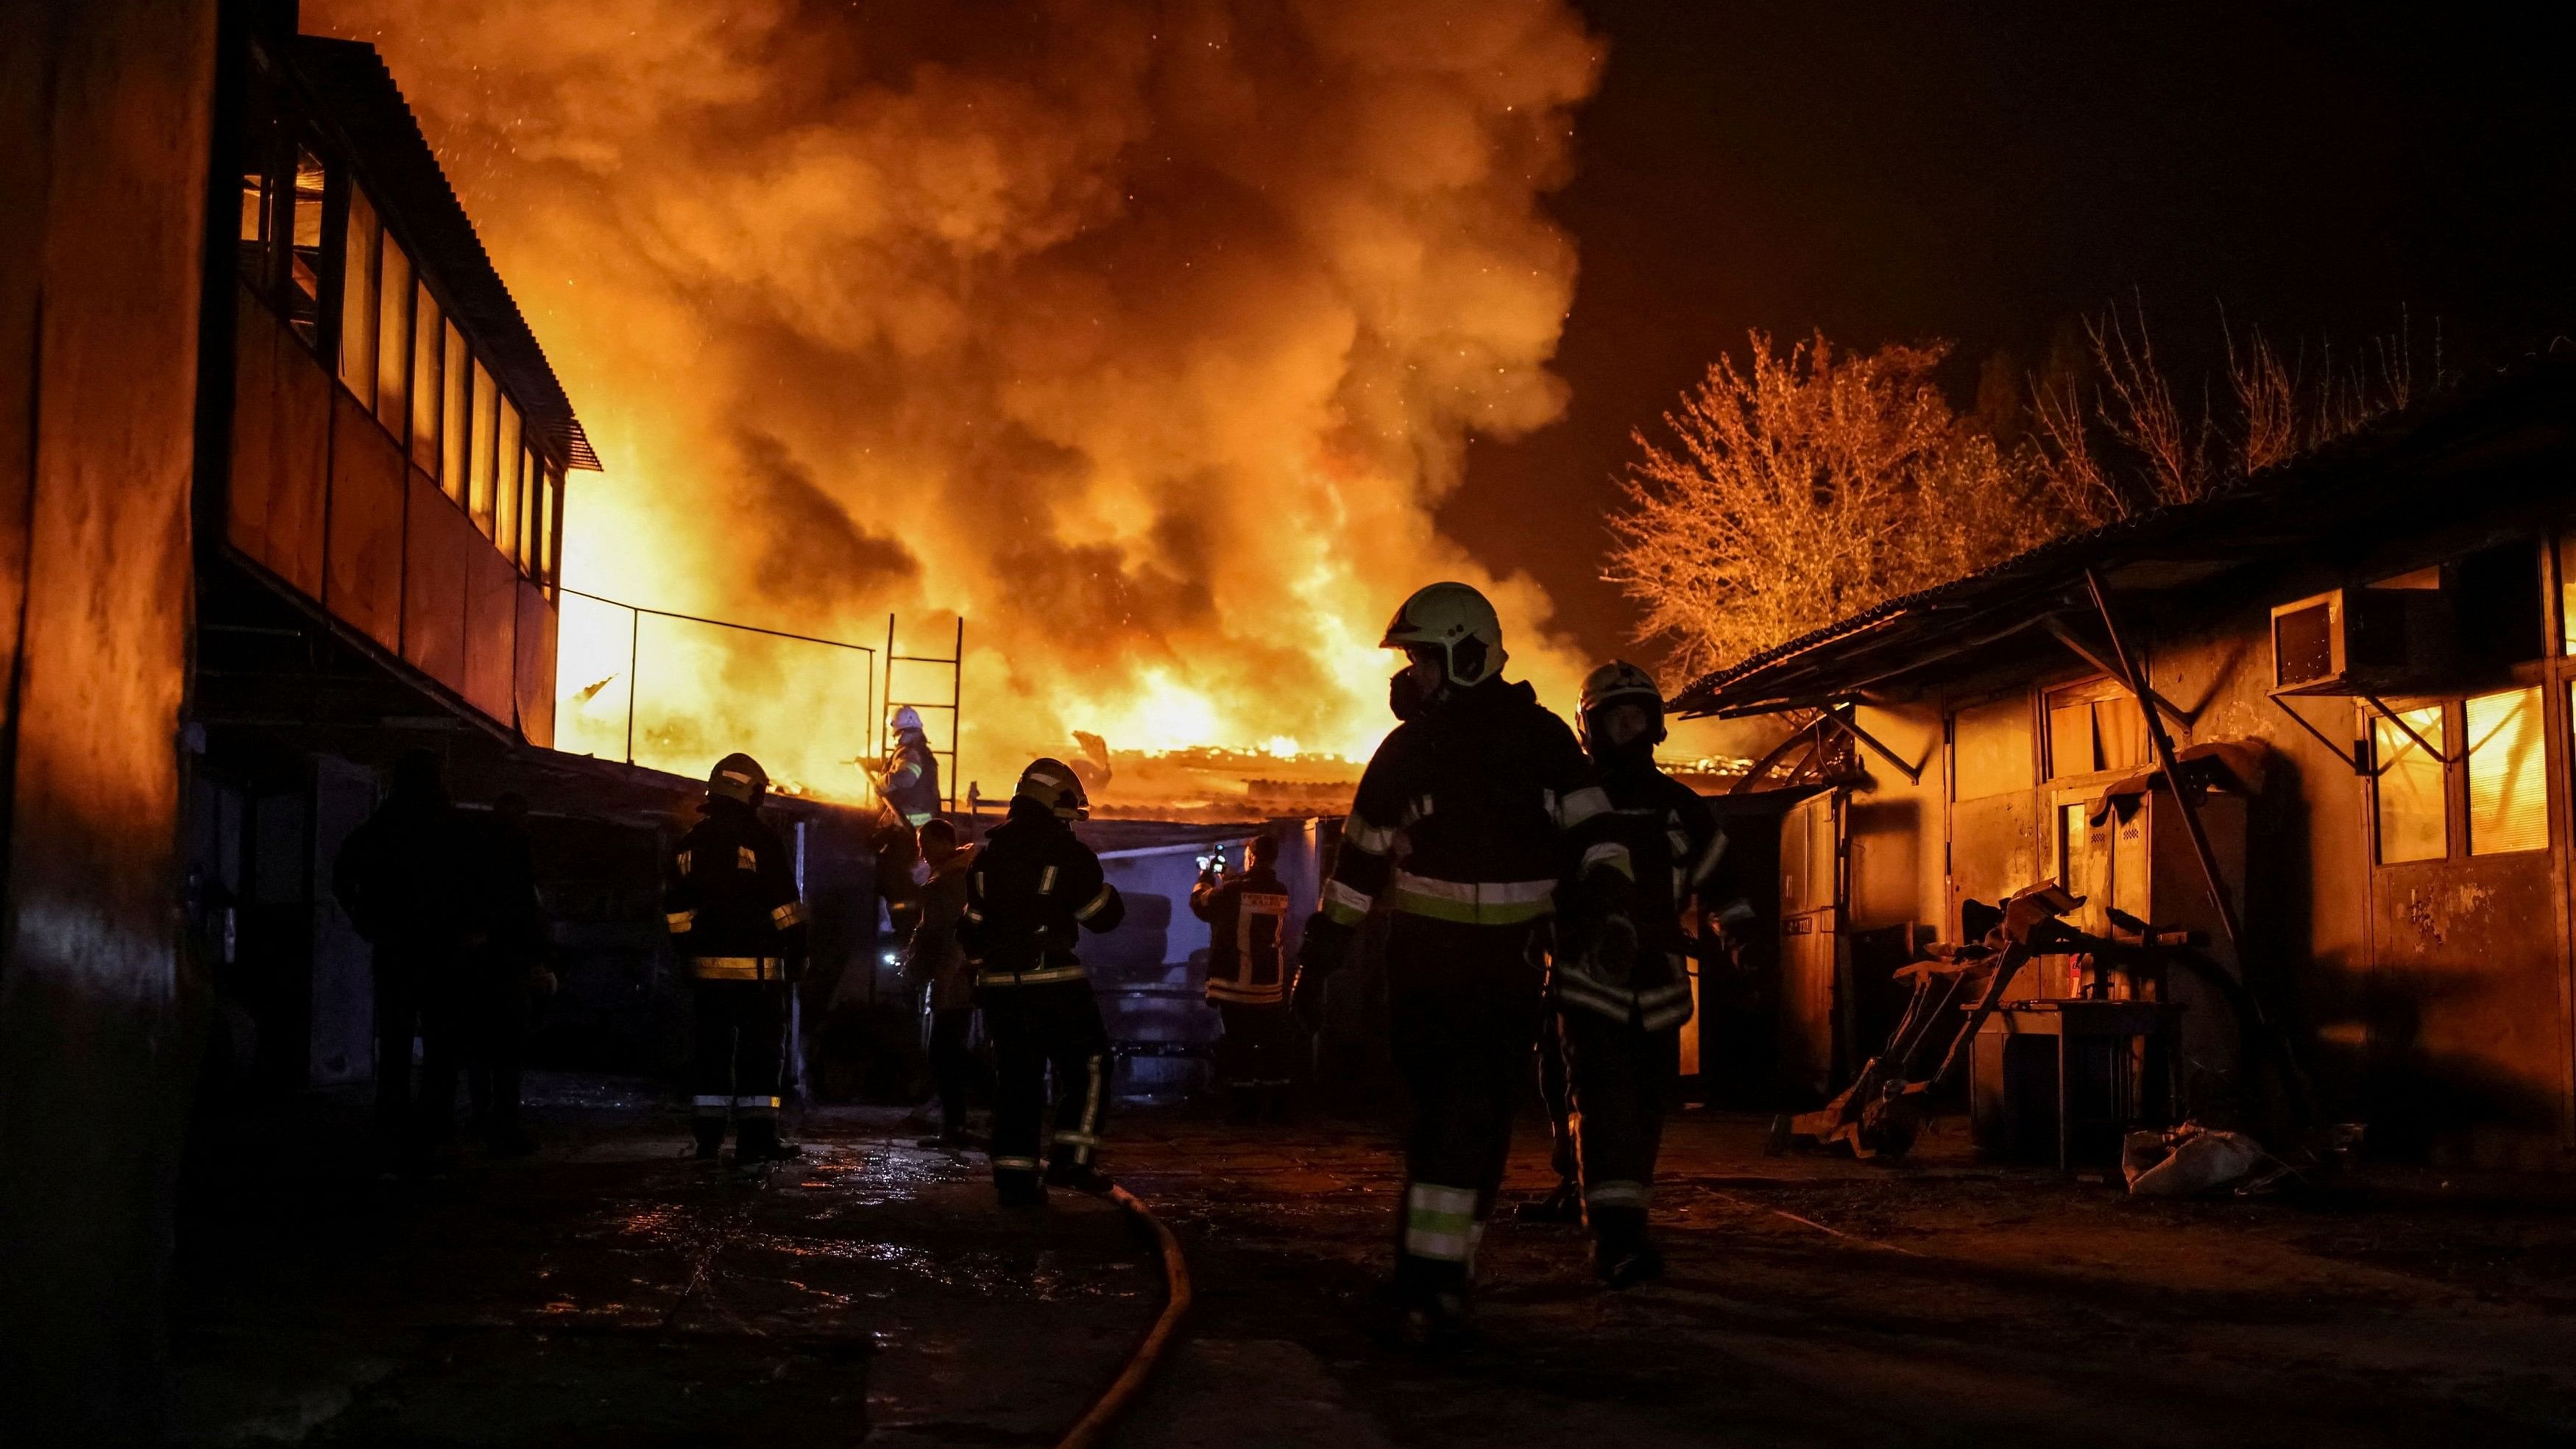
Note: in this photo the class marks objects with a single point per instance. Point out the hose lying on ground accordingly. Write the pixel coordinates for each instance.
(1122, 1391)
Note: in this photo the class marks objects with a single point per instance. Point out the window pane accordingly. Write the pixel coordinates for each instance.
(2508, 778)
(258, 182)
(2567, 592)
(1991, 753)
(2070, 739)
(2414, 808)
(358, 299)
(532, 497)
(479, 471)
(428, 382)
(2121, 731)
(304, 258)
(453, 417)
(393, 337)
(505, 483)
(550, 524)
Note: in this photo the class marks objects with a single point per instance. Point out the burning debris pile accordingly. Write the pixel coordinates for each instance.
(1147, 337)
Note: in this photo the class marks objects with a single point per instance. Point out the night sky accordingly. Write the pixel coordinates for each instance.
(1992, 173)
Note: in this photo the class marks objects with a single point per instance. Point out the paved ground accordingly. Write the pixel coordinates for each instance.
(609, 1293)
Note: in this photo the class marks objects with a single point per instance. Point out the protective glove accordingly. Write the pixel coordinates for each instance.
(1610, 951)
(1326, 946)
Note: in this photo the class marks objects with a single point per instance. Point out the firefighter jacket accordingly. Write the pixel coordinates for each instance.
(910, 784)
(1247, 918)
(934, 958)
(730, 899)
(1678, 852)
(1032, 890)
(1487, 801)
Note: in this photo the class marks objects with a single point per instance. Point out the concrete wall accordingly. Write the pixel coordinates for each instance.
(105, 106)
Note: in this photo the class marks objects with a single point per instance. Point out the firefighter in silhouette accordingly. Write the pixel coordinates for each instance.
(935, 964)
(730, 902)
(908, 798)
(1468, 820)
(1034, 887)
(1247, 981)
(405, 877)
(1624, 991)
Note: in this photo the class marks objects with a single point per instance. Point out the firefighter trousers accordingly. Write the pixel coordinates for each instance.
(1620, 1074)
(741, 1039)
(1464, 1009)
(1253, 1053)
(1053, 1025)
(955, 1071)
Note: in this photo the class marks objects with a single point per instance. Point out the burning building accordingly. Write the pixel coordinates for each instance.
(2362, 660)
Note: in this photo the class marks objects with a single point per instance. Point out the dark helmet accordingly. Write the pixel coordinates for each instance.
(1051, 782)
(1619, 682)
(738, 778)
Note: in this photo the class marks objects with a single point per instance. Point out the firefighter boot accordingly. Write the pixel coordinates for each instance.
(1622, 1253)
(710, 1134)
(1428, 1305)
(1019, 1189)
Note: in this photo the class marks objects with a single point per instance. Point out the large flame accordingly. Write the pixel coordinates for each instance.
(1144, 335)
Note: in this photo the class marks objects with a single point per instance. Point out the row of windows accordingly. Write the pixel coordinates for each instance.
(397, 352)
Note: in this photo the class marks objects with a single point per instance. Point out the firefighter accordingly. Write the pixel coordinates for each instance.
(1622, 996)
(1247, 916)
(908, 798)
(934, 963)
(1034, 887)
(1469, 817)
(405, 878)
(732, 909)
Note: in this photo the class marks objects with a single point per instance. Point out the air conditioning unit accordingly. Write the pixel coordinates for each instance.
(2357, 641)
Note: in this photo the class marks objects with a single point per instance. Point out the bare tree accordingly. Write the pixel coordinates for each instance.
(1808, 485)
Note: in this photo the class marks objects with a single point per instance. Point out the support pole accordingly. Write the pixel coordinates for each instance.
(2163, 743)
(957, 714)
(634, 651)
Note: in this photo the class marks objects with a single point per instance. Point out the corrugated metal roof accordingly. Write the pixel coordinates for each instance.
(361, 104)
(2477, 440)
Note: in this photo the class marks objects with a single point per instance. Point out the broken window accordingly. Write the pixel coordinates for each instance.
(304, 249)
(358, 257)
(393, 336)
(1990, 749)
(258, 166)
(428, 382)
(454, 415)
(2508, 774)
(2093, 728)
(2413, 798)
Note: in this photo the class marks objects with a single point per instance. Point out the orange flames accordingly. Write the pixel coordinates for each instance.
(1144, 335)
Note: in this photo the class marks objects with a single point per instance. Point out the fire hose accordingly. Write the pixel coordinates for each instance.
(1122, 1391)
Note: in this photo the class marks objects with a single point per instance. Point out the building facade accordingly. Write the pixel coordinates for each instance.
(2368, 656)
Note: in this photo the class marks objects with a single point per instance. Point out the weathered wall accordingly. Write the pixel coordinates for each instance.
(1896, 866)
(106, 106)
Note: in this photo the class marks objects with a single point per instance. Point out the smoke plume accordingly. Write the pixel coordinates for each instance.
(1144, 335)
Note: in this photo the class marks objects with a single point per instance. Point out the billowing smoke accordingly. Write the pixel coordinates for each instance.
(1145, 335)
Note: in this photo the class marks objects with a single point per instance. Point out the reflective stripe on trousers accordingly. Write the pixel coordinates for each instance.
(1440, 1222)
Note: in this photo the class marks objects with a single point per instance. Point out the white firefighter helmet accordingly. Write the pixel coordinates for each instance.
(1456, 620)
(1620, 682)
(907, 721)
(1052, 783)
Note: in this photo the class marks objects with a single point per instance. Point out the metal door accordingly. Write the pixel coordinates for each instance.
(1812, 902)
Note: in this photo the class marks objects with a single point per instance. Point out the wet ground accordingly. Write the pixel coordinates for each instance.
(609, 1292)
